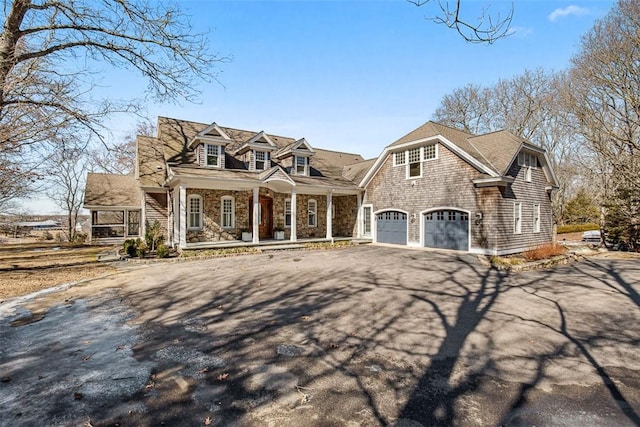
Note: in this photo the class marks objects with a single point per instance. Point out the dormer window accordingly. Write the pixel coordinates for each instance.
(261, 158)
(213, 153)
(302, 165)
(527, 161)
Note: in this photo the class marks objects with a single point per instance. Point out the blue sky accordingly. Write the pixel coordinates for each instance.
(355, 75)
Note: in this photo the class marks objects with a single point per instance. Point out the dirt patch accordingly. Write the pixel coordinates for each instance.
(30, 268)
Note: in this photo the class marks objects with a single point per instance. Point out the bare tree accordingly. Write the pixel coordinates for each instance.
(532, 105)
(605, 94)
(119, 157)
(51, 55)
(69, 167)
(487, 27)
(467, 108)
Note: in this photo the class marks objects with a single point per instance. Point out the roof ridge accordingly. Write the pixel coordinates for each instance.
(451, 127)
(225, 127)
(482, 154)
(336, 151)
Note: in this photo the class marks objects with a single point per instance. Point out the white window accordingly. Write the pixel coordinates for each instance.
(228, 212)
(536, 218)
(430, 152)
(415, 165)
(366, 220)
(313, 210)
(212, 155)
(261, 160)
(194, 214)
(287, 213)
(301, 165)
(517, 218)
(528, 161)
(399, 158)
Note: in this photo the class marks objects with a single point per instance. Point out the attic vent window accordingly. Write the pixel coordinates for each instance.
(527, 159)
(430, 152)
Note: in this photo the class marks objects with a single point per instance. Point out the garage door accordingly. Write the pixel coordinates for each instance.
(391, 227)
(447, 229)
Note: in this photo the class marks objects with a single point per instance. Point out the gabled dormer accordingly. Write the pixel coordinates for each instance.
(296, 157)
(209, 145)
(256, 152)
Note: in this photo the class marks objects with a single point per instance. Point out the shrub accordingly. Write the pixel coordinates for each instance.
(141, 248)
(129, 247)
(80, 238)
(46, 235)
(543, 252)
(162, 251)
(575, 228)
(153, 235)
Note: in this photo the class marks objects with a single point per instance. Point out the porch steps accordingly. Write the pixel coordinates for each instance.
(280, 247)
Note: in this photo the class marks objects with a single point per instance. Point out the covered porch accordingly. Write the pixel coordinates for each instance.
(273, 210)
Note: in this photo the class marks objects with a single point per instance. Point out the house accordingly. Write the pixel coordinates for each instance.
(443, 188)
(211, 185)
(208, 184)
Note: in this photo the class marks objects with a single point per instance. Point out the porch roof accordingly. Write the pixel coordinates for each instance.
(251, 179)
(104, 190)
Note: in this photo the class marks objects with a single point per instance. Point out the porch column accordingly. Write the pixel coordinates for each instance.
(183, 216)
(330, 215)
(256, 215)
(90, 226)
(294, 224)
(359, 217)
(175, 238)
(142, 227)
(169, 237)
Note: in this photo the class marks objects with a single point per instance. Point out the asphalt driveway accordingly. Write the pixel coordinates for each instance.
(360, 336)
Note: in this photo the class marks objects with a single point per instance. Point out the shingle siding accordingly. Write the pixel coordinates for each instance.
(156, 209)
(528, 194)
(447, 183)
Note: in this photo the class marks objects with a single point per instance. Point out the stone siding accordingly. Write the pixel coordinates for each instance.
(343, 224)
(212, 202)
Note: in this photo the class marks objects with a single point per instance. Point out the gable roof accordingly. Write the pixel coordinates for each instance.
(175, 139)
(151, 170)
(110, 190)
(355, 172)
(491, 154)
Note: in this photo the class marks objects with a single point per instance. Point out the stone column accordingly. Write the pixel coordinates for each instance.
(183, 216)
(329, 215)
(256, 215)
(294, 224)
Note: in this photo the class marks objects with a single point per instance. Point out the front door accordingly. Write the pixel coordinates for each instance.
(265, 216)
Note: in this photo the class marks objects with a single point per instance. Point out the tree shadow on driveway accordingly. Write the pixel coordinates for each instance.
(371, 336)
